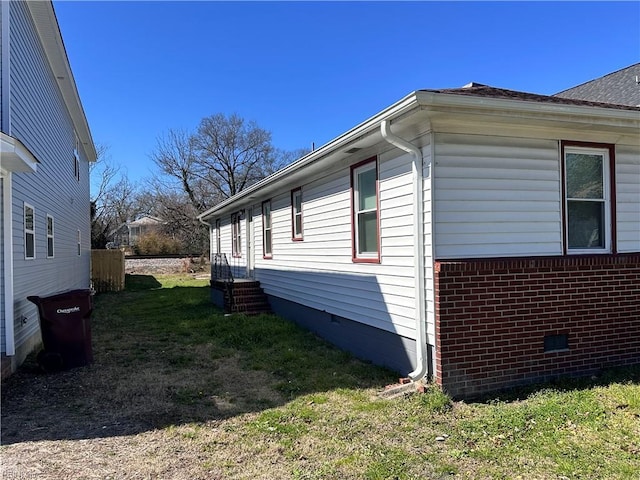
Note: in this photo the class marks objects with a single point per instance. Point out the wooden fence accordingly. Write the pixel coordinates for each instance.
(107, 270)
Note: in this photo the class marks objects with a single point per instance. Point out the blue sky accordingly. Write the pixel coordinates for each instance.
(309, 71)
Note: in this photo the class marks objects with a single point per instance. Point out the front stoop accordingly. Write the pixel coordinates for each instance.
(241, 296)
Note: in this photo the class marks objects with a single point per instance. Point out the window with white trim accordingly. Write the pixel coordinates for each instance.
(50, 237)
(365, 215)
(296, 214)
(587, 192)
(267, 244)
(218, 242)
(76, 159)
(236, 236)
(29, 232)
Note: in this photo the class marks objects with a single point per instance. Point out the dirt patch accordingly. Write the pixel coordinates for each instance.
(95, 423)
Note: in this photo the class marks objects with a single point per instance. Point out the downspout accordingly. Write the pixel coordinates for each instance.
(422, 366)
(207, 224)
(7, 206)
(7, 183)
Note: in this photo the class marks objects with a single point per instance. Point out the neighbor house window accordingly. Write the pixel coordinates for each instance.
(296, 214)
(365, 217)
(79, 243)
(76, 159)
(236, 237)
(29, 232)
(218, 242)
(588, 207)
(267, 246)
(49, 236)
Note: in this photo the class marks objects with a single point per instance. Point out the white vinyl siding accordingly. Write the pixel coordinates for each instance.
(377, 294)
(41, 121)
(496, 197)
(628, 198)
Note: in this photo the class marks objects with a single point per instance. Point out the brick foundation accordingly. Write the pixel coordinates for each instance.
(492, 317)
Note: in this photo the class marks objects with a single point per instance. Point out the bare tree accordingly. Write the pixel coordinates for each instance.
(179, 214)
(197, 170)
(113, 198)
(232, 153)
(224, 156)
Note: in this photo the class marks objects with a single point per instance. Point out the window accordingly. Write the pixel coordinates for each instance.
(236, 238)
(79, 243)
(76, 159)
(29, 232)
(296, 214)
(587, 190)
(364, 185)
(267, 247)
(49, 236)
(218, 242)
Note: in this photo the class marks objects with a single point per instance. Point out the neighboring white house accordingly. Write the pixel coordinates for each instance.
(46, 147)
(480, 236)
(143, 226)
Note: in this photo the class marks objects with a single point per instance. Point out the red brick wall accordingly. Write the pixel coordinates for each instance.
(492, 317)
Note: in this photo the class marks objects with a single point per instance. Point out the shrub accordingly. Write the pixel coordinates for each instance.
(155, 243)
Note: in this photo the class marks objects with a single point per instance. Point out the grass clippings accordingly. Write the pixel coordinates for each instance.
(180, 391)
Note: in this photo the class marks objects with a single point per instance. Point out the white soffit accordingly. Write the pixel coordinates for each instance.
(14, 156)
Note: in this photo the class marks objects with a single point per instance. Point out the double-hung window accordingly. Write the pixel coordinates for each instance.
(236, 236)
(76, 159)
(267, 243)
(365, 212)
(29, 232)
(218, 241)
(50, 246)
(296, 214)
(588, 206)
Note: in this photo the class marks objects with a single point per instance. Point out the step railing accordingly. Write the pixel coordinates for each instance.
(220, 269)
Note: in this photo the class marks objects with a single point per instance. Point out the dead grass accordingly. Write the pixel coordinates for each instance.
(179, 391)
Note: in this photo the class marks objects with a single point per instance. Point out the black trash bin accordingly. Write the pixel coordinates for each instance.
(66, 329)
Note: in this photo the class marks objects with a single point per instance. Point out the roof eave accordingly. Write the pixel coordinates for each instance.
(398, 109)
(46, 23)
(451, 104)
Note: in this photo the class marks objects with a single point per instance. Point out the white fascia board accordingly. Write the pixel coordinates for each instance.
(501, 106)
(46, 23)
(432, 103)
(14, 156)
(324, 154)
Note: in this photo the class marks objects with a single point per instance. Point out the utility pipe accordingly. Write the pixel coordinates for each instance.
(418, 248)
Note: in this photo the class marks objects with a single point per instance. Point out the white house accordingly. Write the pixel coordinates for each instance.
(46, 147)
(480, 236)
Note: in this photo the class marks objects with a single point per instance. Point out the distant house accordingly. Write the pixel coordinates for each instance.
(621, 87)
(46, 147)
(482, 237)
(143, 226)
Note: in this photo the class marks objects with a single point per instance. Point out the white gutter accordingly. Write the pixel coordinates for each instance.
(422, 360)
(402, 107)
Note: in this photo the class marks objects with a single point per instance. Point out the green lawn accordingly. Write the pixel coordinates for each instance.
(204, 395)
